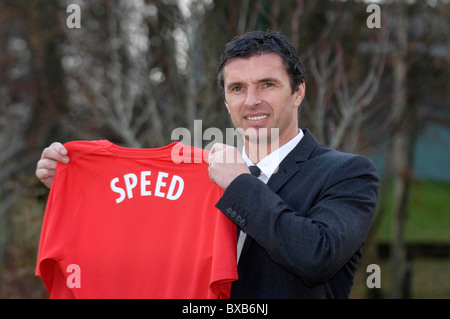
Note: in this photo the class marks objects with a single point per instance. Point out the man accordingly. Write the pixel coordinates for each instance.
(305, 218)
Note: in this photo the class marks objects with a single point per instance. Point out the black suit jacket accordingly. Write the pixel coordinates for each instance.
(306, 227)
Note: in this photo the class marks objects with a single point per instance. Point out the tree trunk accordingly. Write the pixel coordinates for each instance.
(400, 156)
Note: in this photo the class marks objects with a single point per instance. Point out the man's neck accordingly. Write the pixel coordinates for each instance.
(257, 151)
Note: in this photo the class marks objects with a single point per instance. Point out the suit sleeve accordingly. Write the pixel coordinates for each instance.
(315, 242)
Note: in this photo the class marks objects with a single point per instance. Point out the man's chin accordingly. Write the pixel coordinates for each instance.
(261, 135)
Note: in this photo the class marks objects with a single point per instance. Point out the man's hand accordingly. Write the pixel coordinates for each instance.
(46, 166)
(225, 164)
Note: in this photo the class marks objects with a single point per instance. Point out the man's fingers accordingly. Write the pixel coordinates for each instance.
(225, 164)
(45, 169)
(44, 173)
(59, 147)
(213, 153)
(46, 166)
(224, 154)
(217, 147)
(56, 152)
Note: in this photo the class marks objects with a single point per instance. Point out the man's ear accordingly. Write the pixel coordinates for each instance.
(226, 104)
(300, 94)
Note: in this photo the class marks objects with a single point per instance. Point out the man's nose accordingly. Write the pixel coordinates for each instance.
(253, 98)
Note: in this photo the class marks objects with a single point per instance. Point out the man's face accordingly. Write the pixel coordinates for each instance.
(258, 95)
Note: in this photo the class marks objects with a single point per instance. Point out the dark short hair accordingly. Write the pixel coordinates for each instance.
(259, 42)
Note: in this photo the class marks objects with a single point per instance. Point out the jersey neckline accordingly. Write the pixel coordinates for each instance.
(171, 152)
(121, 151)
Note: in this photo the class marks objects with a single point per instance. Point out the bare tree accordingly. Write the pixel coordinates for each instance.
(399, 152)
(128, 83)
(344, 101)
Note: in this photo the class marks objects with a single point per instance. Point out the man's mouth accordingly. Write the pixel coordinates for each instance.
(256, 117)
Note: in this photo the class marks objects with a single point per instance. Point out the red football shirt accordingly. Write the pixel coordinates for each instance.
(135, 223)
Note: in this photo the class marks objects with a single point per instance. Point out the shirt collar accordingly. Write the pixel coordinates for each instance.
(269, 164)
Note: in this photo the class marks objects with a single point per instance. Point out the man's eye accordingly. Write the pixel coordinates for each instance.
(268, 85)
(236, 89)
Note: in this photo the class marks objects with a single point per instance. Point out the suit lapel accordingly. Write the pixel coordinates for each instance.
(288, 167)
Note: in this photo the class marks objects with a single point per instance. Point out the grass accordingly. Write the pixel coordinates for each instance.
(429, 214)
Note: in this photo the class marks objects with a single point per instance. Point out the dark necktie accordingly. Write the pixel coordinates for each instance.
(254, 170)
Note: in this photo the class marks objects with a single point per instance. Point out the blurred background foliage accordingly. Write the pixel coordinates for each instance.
(136, 70)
